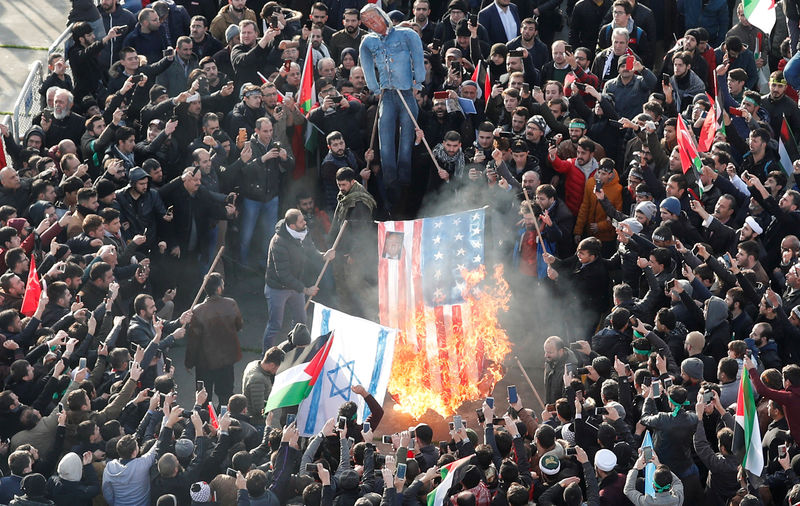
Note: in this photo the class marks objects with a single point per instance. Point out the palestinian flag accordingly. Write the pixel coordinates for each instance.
(307, 98)
(294, 384)
(787, 148)
(689, 155)
(452, 473)
(746, 434)
(760, 13)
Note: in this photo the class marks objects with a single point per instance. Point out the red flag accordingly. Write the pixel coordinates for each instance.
(477, 72)
(33, 290)
(212, 416)
(709, 129)
(3, 163)
(487, 88)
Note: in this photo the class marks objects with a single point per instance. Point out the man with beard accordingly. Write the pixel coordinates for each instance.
(450, 158)
(356, 206)
(140, 207)
(336, 110)
(556, 357)
(97, 138)
(86, 68)
(319, 49)
(578, 170)
(688, 44)
(148, 38)
(349, 36)
(203, 43)
(317, 220)
(112, 15)
(786, 222)
(778, 105)
(422, 11)
(481, 150)
(339, 155)
(64, 124)
(232, 14)
(684, 84)
(291, 261)
(528, 39)
(252, 55)
(216, 79)
(715, 232)
(246, 112)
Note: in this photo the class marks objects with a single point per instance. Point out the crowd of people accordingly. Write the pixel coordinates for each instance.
(170, 129)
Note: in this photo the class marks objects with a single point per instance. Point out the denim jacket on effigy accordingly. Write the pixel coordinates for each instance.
(393, 54)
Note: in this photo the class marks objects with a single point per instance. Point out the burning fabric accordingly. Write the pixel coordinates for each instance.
(432, 286)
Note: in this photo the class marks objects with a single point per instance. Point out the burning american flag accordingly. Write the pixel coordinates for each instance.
(451, 346)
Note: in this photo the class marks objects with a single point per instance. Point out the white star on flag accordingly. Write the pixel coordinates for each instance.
(460, 252)
(475, 243)
(459, 237)
(437, 224)
(456, 221)
(476, 259)
(437, 239)
(438, 255)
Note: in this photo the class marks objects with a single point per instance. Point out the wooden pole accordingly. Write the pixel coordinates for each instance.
(416, 125)
(535, 220)
(324, 267)
(530, 383)
(205, 278)
(375, 125)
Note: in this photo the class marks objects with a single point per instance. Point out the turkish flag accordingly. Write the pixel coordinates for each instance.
(33, 290)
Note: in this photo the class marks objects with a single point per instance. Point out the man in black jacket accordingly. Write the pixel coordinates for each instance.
(252, 55)
(291, 263)
(82, 56)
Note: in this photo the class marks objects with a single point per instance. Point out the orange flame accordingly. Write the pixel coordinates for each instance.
(464, 367)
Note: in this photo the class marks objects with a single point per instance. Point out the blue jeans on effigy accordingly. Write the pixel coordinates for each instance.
(396, 163)
(253, 213)
(278, 301)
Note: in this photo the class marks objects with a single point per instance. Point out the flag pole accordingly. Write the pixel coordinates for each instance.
(535, 220)
(416, 125)
(205, 278)
(324, 267)
(530, 383)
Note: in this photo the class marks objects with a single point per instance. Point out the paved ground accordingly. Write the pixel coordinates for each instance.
(36, 23)
(29, 23)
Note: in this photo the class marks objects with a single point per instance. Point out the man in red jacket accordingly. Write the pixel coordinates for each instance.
(577, 169)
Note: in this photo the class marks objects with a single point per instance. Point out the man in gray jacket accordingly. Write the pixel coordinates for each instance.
(668, 487)
(126, 480)
(631, 88)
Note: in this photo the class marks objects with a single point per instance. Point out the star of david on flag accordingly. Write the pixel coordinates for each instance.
(361, 354)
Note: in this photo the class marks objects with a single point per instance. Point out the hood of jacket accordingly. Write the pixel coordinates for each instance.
(716, 314)
(386, 19)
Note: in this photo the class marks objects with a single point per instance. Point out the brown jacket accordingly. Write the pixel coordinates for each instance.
(212, 336)
(225, 18)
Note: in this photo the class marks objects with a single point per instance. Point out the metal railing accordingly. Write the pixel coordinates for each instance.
(28, 104)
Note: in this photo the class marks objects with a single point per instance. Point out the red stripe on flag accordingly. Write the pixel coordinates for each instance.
(416, 273)
(479, 356)
(444, 356)
(458, 335)
(315, 366)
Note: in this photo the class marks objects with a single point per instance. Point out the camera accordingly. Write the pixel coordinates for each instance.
(311, 468)
(387, 440)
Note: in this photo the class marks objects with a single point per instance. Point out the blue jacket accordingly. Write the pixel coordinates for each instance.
(394, 54)
(490, 18)
(150, 44)
(713, 16)
(9, 487)
(744, 61)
